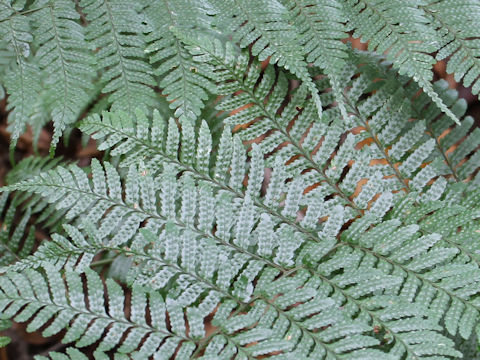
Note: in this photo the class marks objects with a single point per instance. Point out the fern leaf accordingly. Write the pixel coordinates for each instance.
(459, 160)
(73, 252)
(353, 270)
(187, 84)
(452, 17)
(281, 249)
(17, 238)
(18, 210)
(400, 136)
(265, 23)
(71, 191)
(349, 236)
(441, 263)
(401, 29)
(193, 284)
(284, 250)
(399, 142)
(320, 25)
(90, 321)
(357, 274)
(299, 145)
(21, 79)
(126, 76)
(62, 55)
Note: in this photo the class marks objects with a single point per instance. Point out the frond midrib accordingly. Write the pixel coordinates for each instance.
(119, 54)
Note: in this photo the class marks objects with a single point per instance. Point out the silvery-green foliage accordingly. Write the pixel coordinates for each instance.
(18, 210)
(301, 200)
(392, 268)
(51, 50)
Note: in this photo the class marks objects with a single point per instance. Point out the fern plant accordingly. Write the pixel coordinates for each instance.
(264, 189)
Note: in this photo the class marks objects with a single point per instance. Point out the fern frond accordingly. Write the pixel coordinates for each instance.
(233, 334)
(193, 266)
(115, 30)
(455, 153)
(20, 213)
(60, 252)
(436, 279)
(157, 268)
(22, 75)
(29, 168)
(231, 68)
(353, 235)
(187, 84)
(281, 253)
(264, 25)
(456, 43)
(308, 148)
(48, 295)
(400, 29)
(456, 145)
(321, 26)
(17, 237)
(309, 247)
(71, 190)
(64, 60)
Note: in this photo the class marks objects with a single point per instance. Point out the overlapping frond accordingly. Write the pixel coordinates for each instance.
(17, 210)
(321, 26)
(168, 261)
(310, 149)
(431, 279)
(187, 84)
(64, 60)
(16, 235)
(116, 33)
(99, 201)
(38, 296)
(264, 25)
(71, 251)
(135, 144)
(29, 168)
(265, 230)
(21, 75)
(199, 282)
(122, 36)
(397, 117)
(264, 317)
(401, 29)
(457, 146)
(192, 264)
(458, 38)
